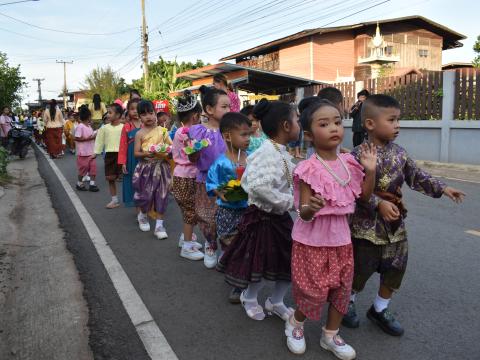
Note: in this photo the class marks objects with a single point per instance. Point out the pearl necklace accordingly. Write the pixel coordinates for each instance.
(286, 169)
(335, 176)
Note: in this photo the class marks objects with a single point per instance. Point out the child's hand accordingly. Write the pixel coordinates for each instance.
(124, 169)
(388, 211)
(316, 203)
(454, 194)
(368, 157)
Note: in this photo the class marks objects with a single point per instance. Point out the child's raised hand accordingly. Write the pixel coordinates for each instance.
(316, 202)
(388, 211)
(454, 194)
(368, 157)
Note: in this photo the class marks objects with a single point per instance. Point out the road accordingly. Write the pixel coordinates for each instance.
(438, 304)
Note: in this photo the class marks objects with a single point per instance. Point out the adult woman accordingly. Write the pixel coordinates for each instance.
(98, 109)
(5, 126)
(53, 129)
(220, 82)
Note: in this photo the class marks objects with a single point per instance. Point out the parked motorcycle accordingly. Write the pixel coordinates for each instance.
(19, 140)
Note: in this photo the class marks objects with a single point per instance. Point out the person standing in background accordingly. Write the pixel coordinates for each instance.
(220, 82)
(53, 129)
(98, 109)
(359, 132)
(5, 126)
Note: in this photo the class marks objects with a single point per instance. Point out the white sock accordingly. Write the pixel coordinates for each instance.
(115, 199)
(353, 296)
(159, 223)
(253, 290)
(281, 288)
(187, 245)
(92, 182)
(141, 216)
(380, 303)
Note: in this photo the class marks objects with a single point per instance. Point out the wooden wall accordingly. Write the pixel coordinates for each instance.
(295, 58)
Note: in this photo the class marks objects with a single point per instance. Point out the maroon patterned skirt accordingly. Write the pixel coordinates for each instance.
(261, 249)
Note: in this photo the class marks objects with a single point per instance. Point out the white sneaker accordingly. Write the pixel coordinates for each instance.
(338, 347)
(143, 223)
(191, 253)
(160, 233)
(210, 258)
(196, 244)
(295, 338)
(86, 178)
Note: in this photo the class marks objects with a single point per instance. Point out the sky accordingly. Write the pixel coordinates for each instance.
(107, 32)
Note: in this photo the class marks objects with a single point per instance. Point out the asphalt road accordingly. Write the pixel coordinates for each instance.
(438, 304)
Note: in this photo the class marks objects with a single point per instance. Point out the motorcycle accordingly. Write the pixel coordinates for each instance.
(20, 139)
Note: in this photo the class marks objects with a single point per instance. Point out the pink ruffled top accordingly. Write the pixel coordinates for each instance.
(330, 226)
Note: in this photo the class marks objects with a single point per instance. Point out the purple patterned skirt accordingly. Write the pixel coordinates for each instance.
(151, 182)
(261, 249)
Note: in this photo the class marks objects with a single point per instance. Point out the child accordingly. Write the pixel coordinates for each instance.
(125, 152)
(184, 174)
(215, 103)
(235, 129)
(359, 133)
(258, 137)
(378, 229)
(164, 120)
(108, 140)
(262, 248)
(326, 186)
(68, 130)
(151, 178)
(84, 143)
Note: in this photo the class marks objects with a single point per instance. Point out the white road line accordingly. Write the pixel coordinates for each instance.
(154, 341)
(473, 232)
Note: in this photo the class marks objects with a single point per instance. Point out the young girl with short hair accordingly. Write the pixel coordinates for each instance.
(85, 144)
(326, 187)
(152, 177)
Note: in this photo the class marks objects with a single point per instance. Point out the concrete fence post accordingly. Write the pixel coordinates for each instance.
(448, 103)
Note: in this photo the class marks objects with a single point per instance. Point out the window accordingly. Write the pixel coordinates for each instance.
(389, 50)
(423, 53)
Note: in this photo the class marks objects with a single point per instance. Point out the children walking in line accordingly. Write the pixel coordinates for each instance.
(152, 177)
(184, 174)
(262, 248)
(235, 129)
(378, 227)
(108, 141)
(125, 152)
(84, 144)
(215, 104)
(326, 186)
(257, 136)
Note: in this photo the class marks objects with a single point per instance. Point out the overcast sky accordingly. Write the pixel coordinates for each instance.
(201, 29)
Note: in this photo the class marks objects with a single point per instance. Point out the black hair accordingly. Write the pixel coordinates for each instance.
(220, 78)
(374, 103)
(209, 96)
(306, 102)
(132, 101)
(247, 110)
(96, 101)
(272, 114)
(306, 117)
(186, 99)
(134, 91)
(161, 113)
(144, 107)
(53, 108)
(84, 113)
(363, 92)
(117, 108)
(331, 94)
(232, 120)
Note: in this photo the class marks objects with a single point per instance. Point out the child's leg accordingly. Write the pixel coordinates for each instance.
(334, 318)
(275, 303)
(187, 232)
(249, 300)
(112, 187)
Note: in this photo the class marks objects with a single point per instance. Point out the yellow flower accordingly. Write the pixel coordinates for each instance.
(233, 183)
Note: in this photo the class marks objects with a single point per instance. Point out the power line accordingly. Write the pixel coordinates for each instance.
(65, 31)
(16, 2)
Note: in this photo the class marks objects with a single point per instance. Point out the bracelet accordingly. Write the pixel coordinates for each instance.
(298, 213)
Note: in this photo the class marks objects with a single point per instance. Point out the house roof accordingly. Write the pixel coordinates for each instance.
(251, 79)
(457, 65)
(450, 38)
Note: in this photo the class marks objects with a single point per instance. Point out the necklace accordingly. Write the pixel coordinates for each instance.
(335, 176)
(286, 169)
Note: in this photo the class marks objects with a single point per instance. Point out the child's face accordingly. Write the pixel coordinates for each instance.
(255, 123)
(221, 108)
(164, 120)
(386, 127)
(362, 98)
(149, 119)
(293, 127)
(326, 129)
(239, 137)
(112, 116)
(132, 111)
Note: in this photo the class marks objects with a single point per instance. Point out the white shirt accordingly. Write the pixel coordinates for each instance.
(265, 180)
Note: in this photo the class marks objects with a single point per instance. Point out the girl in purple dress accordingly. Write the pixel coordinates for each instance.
(215, 104)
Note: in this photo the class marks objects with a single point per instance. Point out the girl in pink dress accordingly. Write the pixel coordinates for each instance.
(325, 189)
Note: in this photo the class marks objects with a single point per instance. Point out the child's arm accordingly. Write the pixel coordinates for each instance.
(212, 182)
(137, 148)
(368, 159)
(310, 203)
(99, 141)
(421, 181)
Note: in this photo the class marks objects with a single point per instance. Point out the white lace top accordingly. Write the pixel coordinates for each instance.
(264, 179)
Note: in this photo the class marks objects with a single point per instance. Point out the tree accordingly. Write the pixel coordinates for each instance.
(11, 83)
(476, 48)
(163, 78)
(106, 83)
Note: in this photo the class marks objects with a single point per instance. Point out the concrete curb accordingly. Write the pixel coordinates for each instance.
(448, 166)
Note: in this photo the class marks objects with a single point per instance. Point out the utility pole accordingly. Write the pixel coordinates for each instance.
(145, 46)
(64, 80)
(39, 82)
